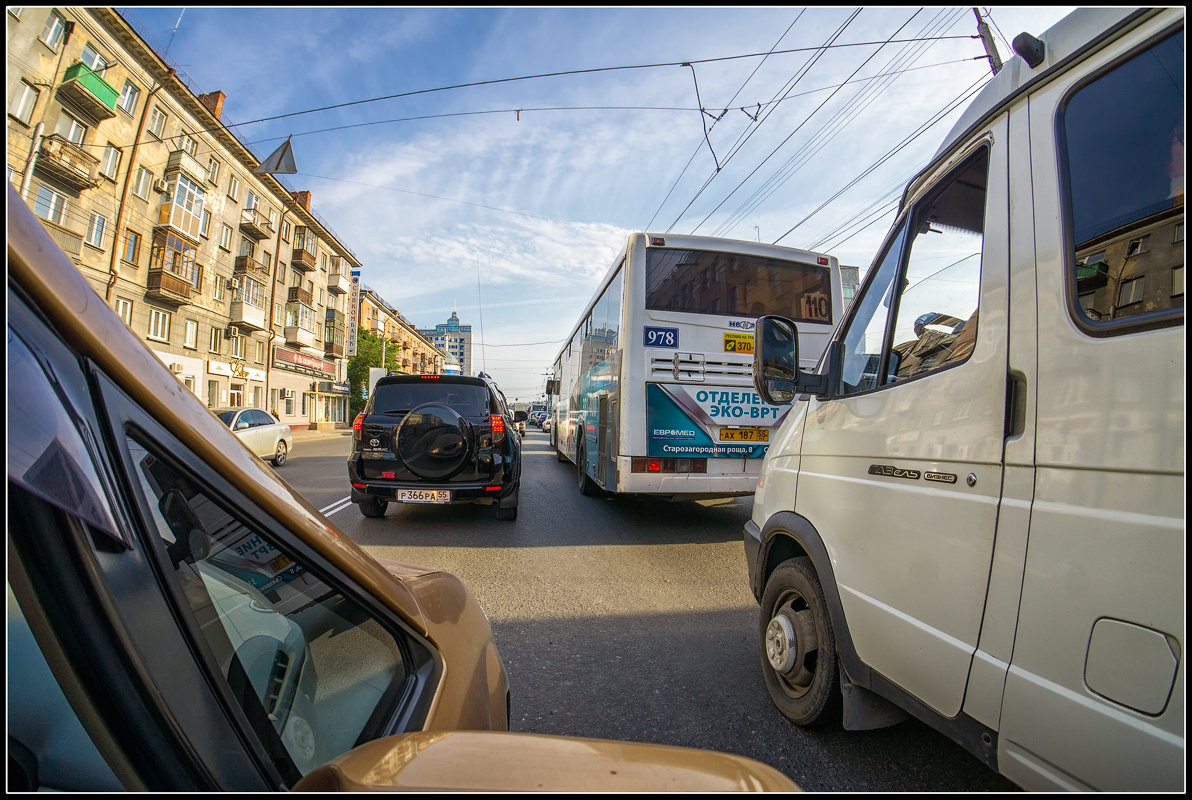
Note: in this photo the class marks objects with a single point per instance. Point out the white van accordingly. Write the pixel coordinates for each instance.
(975, 511)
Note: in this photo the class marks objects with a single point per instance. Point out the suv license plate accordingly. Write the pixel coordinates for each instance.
(744, 435)
(423, 496)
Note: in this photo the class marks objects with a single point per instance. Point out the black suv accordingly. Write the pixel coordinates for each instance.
(435, 439)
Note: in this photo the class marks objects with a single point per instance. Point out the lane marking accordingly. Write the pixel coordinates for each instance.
(338, 505)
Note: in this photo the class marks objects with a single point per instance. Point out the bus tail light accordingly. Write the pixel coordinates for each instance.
(669, 465)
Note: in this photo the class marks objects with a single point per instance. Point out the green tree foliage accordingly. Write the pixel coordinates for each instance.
(368, 354)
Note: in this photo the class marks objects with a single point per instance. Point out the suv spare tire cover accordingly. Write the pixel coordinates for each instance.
(433, 441)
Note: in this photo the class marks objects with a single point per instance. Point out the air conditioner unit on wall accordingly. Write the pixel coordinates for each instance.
(176, 368)
(160, 185)
(286, 394)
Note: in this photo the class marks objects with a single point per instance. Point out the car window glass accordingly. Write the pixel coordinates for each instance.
(260, 418)
(466, 398)
(936, 323)
(308, 666)
(867, 329)
(47, 454)
(1124, 152)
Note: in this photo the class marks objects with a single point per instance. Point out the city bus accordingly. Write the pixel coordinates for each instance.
(652, 393)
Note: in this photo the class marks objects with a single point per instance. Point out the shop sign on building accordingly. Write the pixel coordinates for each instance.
(353, 313)
(235, 369)
(299, 362)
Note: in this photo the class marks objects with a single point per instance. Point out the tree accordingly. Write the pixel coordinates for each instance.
(368, 354)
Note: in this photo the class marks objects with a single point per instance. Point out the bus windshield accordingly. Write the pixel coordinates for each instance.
(732, 284)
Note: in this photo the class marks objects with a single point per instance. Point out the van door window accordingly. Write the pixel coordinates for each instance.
(1123, 149)
(866, 331)
(936, 325)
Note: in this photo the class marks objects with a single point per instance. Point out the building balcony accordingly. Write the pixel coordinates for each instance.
(298, 336)
(85, 88)
(248, 265)
(184, 162)
(170, 287)
(304, 256)
(1091, 276)
(333, 349)
(335, 319)
(68, 162)
(70, 242)
(246, 315)
(338, 280)
(299, 295)
(255, 224)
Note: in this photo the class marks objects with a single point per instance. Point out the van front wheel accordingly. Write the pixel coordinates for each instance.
(798, 648)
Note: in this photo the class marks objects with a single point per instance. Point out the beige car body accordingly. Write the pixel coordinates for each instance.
(473, 691)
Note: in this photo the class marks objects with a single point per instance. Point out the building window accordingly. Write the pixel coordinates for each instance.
(205, 225)
(129, 97)
(1138, 246)
(212, 393)
(247, 247)
(238, 346)
(260, 352)
(277, 314)
(140, 186)
(216, 338)
(111, 161)
(189, 382)
(234, 187)
(53, 30)
(131, 246)
(92, 58)
(124, 310)
(285, 231)
(24, 102)
(225, 237)
(236, 396)
(186, 206)
(187, 143)
(250, 201)
(71, 129)
(1179, 232)
(1177, 281)
(217, 292)
(159, 325)
(50, 205)
(213, 172)
(1131, 292)
(192, 334)
(157, 122)
(95, 229)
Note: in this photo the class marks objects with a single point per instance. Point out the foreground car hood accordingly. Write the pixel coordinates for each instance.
(522, 762)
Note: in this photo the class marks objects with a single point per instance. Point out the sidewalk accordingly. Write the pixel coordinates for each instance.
(303, 434)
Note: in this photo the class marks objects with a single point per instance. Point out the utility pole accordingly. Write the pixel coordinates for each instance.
(995, 61)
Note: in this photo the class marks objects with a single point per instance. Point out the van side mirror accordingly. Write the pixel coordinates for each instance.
(776, 374)
(520, 416)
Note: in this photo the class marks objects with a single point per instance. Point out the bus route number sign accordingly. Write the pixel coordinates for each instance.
(660, 337)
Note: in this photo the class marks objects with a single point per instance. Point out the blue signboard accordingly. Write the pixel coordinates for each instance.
(660, 337)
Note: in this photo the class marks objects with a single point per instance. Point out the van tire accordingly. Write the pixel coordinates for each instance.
(798, 647)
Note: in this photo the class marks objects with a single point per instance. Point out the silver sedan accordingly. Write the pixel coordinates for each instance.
(260, 431)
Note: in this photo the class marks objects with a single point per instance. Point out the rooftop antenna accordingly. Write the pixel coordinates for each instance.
(176, 24)
(480, 308)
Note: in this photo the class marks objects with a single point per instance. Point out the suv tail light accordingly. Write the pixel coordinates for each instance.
(357, 425)
(498, 425)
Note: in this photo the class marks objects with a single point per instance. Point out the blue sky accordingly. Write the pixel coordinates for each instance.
(508, 200)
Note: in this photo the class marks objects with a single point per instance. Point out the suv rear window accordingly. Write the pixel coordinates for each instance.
(469, 400)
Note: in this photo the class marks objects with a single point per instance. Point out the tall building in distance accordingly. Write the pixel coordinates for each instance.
(455, 338)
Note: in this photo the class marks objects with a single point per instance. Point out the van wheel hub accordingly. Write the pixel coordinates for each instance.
(790, 638)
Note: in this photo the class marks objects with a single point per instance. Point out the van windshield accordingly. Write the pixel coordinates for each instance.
(469, 400)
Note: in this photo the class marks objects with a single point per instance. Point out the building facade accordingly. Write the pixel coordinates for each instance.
(419, 356)
(230, 278)
(454, 338)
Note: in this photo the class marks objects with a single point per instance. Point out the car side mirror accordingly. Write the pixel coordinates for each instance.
(241, 426)
(776, 374)
(520, 416)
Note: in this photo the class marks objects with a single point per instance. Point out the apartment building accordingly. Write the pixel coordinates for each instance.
(419, 356)
(455, 338)
(230, 277)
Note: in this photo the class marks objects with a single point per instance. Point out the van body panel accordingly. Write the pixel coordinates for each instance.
(1042, 592)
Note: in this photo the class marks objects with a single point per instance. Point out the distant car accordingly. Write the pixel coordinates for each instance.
(435, 439)
(546, 424)
(260, 431)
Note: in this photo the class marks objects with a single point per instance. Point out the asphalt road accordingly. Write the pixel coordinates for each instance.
(630, 619)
